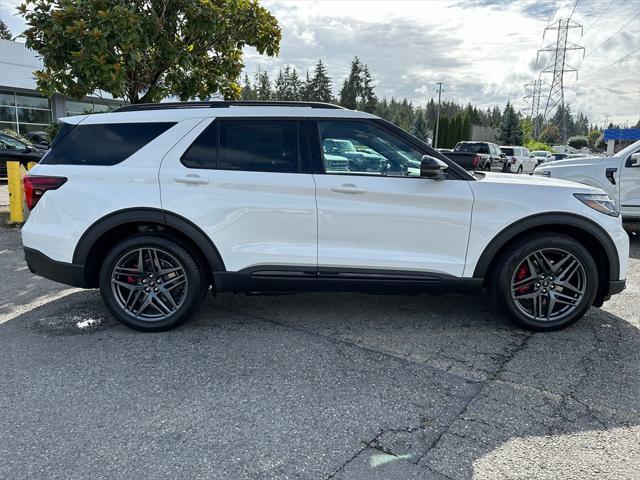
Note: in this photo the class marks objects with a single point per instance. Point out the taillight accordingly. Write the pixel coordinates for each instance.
(476, 160)
(35, 186)
(513, 160)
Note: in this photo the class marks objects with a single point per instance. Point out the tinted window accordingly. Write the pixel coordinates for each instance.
(472, 148)
(258, 145)
(103, 144)
(507, 151)
(362, 147)
(202, 152)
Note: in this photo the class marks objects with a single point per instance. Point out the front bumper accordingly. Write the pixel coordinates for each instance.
(67, 273)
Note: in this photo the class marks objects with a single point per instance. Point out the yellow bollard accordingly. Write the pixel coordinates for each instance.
(16, 196)
(30, 165)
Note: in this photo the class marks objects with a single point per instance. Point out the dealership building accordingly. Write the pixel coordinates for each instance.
(22, 108)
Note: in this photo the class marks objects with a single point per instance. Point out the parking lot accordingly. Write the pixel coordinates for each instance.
(313, 386)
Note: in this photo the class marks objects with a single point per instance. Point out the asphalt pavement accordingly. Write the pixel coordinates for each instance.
(313, 386)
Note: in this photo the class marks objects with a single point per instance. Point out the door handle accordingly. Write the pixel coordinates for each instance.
(192, 180)
(348, 188)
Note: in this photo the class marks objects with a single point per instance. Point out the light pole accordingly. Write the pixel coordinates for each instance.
(435, 135)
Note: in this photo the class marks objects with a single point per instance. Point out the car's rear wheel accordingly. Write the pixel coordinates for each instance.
(150, 283)
(546, 283)
(520, 170)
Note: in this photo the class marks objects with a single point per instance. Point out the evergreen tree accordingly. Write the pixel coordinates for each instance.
(466, 127)
(247, 90)
(420, 125)
(510, 130)
(263, 85)
(369, 100)
(319, 87)
(351, 86)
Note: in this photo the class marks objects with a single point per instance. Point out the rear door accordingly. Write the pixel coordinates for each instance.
(246, 183)
(387, 220)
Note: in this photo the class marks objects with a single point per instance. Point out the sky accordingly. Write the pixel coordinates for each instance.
(484, 51)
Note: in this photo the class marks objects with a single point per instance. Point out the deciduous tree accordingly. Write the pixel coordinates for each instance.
(145, 50)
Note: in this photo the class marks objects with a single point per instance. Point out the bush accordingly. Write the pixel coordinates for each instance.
(578, 142)
(535, 145)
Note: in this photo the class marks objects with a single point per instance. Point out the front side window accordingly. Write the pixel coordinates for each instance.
(102, 144)
(258, 145)
(351, 147)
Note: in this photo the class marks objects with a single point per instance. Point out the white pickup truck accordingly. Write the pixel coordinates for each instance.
(618, 175)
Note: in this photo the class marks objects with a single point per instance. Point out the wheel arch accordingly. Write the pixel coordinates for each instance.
(106, 231)
(584, 230)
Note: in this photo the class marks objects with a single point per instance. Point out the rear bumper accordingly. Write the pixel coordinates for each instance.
(67, 273)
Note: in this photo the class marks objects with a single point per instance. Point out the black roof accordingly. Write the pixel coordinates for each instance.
(222, 104)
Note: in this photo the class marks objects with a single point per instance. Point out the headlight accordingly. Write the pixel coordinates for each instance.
(600, 202)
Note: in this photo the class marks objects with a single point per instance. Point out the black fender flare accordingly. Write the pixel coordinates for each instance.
(147, 215)
(550, 219)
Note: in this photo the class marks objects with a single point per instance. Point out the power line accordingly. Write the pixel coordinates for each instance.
(603, 43)
(574, 9)
(602, 12)
(608, 66)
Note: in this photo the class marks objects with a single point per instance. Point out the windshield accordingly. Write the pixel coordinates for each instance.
(540, 153)
(507, 150)
(471, 148)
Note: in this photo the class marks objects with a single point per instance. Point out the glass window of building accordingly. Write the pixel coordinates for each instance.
(24, 113)
(75, 107)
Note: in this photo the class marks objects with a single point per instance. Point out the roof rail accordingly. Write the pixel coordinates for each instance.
(222, 104)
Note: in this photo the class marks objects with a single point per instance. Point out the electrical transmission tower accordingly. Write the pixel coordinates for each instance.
(558, 67)
(533, 91)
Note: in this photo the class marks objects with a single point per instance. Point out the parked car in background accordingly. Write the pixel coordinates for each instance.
(618, 175)
(12, 149)
(38, 138)
(542, 156)
(518, 159)
(560, 156)
(472, 155)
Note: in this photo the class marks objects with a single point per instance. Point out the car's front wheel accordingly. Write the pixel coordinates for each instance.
(546, 283)
(150, 283)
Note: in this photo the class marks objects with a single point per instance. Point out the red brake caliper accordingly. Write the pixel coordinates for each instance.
(523, 272)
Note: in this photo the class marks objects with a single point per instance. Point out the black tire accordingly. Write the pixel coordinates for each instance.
(520, 170)
(192, 293)
(508, 265)
(487, 167)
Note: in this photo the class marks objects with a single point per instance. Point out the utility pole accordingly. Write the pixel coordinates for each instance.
(435, 135)
(557, 66)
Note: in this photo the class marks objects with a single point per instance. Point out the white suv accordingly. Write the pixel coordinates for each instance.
(157, 204)
(518, 159)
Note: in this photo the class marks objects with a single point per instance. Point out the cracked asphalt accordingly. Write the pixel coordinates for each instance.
(313, 386)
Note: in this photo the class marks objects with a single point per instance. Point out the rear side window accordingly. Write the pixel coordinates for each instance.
(202, 152)
(102, 144)
(258, 145)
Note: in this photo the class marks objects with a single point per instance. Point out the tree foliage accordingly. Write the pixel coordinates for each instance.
(145, 50)
(5, 33)
(510, 130)
(550, 134)
(318, 87)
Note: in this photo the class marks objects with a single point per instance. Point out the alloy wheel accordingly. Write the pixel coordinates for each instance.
(548, 284)
(149, 283)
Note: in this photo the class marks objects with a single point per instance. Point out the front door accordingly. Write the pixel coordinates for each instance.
(376, 213)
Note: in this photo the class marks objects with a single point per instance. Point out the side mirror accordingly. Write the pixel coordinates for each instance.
(503, 155)
(431, 167)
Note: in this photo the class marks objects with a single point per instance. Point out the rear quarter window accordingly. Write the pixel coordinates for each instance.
(102, 144)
